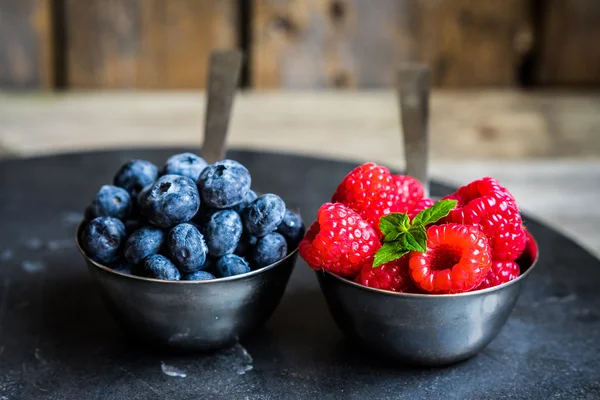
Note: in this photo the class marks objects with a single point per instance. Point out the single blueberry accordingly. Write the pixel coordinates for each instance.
(222, 232)
(160, 267)
(249, 198)
(143, 243)
(122, 265)
(185, 164)
(230, 265)
(269, 250)
(135, 175)
(187, 248)
(199, 276)
(245, 245)
(171, 200)
(111, 201)
(292, 229)
(102, 239)
(224, 184)
(264, 215)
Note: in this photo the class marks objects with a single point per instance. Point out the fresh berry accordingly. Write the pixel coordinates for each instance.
(231, 265)
(408, 192)
(143, 243)
(187, 248)
(222, 232)
(198, 276)
(264, 215)
(102, 239)
(111, 201)
(249, 198)
(501, 272)
(340, 241)
(224, 184)
(135, 175)
(246, 245)
(185, 164)
(392, 276)
(491, 208)
(369, 190)
(268, 250)
(171, 200)
(160, 267)
(419, 206)
(457, 259)
(292, 229)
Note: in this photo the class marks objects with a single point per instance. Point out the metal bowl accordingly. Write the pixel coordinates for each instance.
(431, 330)
(192, 315)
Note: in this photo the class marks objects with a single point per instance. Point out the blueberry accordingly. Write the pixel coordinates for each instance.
(292, 229)
(187, 248)
(185, 164)
(123, 266)
(222, 232)
(135, 175)
(111, 201)
(160, 267)
(230, 265)
(171, 200)
(245, 245)
(131, 225)
(264, 215)
(102, 239)
(199, 276)
(143, 243)
(224, 184)
(269, 250)
(249, 198)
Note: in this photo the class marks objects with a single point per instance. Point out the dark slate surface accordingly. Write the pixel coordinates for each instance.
(57, 341)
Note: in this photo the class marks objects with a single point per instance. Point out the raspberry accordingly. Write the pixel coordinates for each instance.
(422, 204)
(491, 208)
(501, 272)
(392, 276)
(408, 191)
(370, 191)
(457, 259)
(340, 241)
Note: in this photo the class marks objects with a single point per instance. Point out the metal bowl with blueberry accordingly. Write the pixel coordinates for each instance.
(189, 256)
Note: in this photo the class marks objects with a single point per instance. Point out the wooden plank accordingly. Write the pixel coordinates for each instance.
(568, 52)
(351, 43)
(146, 43)
(26, 59)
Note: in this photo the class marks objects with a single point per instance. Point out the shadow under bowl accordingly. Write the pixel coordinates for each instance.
(192, 315)
(422, 329)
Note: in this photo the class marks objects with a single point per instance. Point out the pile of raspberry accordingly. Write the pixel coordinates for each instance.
(475, 246)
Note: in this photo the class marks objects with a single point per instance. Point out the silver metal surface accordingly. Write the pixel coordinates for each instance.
(192, 315)
(223, 76)
(422, 329)
(413, 99)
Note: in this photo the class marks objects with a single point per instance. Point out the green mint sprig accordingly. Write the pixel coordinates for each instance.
(402, 236)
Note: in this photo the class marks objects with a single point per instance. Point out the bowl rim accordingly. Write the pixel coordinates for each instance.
(180, 282)
(447, 295)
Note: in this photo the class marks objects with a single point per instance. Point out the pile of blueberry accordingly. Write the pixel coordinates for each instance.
(188, 221)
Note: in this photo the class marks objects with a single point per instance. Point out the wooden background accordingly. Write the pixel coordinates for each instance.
(297, 44)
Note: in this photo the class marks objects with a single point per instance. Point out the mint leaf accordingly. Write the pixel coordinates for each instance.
(419, 234)
(394, 225)
(436, 212)
(390, 251)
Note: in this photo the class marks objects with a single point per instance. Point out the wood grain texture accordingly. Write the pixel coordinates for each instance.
(150, 44)
(569, 52)
(353, 43)
(26, 58)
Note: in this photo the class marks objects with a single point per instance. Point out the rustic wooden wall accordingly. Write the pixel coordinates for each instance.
(26, 58)
(145, 43)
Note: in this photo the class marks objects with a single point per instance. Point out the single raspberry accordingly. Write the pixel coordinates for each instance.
(369, 190)
(392, 276)
(340, 241)
(457, 259)
(421, 205)
(408, 192)
(491, 208)
(501, 272)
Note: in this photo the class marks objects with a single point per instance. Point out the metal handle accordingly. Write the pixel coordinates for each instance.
(413, 97)
(223, 76)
